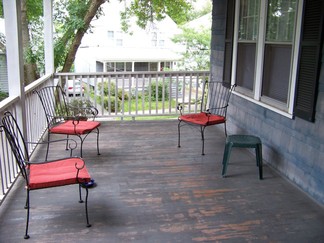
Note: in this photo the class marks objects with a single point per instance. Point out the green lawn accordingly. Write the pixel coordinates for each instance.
(140, 105)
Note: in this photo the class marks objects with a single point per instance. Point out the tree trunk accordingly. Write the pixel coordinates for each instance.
(30, 69)
(92, 10)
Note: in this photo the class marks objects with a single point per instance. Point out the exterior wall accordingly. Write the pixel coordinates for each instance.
(294, 147)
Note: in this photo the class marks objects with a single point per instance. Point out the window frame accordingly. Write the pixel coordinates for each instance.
(255, 95)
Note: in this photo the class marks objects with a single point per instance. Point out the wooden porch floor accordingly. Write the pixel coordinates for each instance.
(149, 190)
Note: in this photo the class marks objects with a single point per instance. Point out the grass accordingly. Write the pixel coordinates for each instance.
(149, 118)
(148, 106)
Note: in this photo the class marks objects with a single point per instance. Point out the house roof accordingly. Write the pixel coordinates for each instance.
(204, 21)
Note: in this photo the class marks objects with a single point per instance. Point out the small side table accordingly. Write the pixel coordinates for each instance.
(243, 141)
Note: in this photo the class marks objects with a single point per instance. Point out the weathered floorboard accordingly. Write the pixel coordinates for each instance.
(149, 190)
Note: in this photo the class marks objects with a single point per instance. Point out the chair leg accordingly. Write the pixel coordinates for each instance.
(225, 129)
(86, 203)
(86, 206)
(27, 218)
(98, 153)
(81, 146)
(80, 196)
(48, 140)
(258, 153)
(179, 134)
(67, 143)
(226, 157)
(202, 131)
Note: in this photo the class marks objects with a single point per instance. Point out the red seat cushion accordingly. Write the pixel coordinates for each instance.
(82, 127)
(58, 173)
(203, 119)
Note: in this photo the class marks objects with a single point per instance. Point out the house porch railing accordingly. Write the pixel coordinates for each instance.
(124, 95)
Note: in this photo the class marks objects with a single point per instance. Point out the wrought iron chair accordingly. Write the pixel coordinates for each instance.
(217, 96)
(45, 174)
(65, 118)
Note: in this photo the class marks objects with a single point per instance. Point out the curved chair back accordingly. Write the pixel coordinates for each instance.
(54, 103)
(15, 139)
(218, 97)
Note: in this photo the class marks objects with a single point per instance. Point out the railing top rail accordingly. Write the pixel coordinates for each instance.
(134, 73)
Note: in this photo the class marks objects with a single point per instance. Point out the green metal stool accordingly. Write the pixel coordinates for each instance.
(243, 141)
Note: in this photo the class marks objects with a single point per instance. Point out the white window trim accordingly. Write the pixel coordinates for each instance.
(255, 97)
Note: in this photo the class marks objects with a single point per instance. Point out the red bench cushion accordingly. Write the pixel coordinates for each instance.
(203, 119)
(58, 173)
(82, 127)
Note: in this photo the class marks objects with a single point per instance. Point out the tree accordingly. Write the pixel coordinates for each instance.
(72, 21)
(197, 53)
(150, 10)
(76, 24)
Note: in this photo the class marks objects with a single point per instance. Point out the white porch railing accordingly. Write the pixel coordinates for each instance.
(134, 94)
(115, 95)
(35, 122)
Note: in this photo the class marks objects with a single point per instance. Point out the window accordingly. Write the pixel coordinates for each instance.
(128, 66)
(153, 66)
(154, 39)
(110, 34)
(120, 67)
(119, 38)
(161, 43)
(264, 50)
(141, 66)
(110, 67)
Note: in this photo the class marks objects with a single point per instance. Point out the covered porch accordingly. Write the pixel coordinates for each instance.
(149, 190)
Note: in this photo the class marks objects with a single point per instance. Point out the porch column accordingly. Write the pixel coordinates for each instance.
(48, 36)
(104, 66)
(15, 61)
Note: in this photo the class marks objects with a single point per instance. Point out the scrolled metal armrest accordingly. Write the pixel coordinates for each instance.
(180, 108)
(79, 180)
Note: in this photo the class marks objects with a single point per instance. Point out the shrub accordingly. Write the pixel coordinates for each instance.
(3, 95)
(112, 104)
(160, 91)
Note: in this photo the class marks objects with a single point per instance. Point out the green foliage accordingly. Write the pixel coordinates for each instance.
(109, 88)
(69, 15)
(197, 54)
(112, 104)
(35, 5)
(154, 93)
(159, 90)
(3, 95)
(37, 10)
(148, 11)
(78, 107)
(195, 14)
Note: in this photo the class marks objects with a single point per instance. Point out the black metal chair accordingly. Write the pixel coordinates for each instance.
(65, 118)
(217, 95)
(45, 174)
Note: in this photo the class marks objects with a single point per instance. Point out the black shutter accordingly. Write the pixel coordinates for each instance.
(229, 34)
(309, 60)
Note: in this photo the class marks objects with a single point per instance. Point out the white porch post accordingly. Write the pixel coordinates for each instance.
(104, 66)
(15, 62)
(48, 36)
